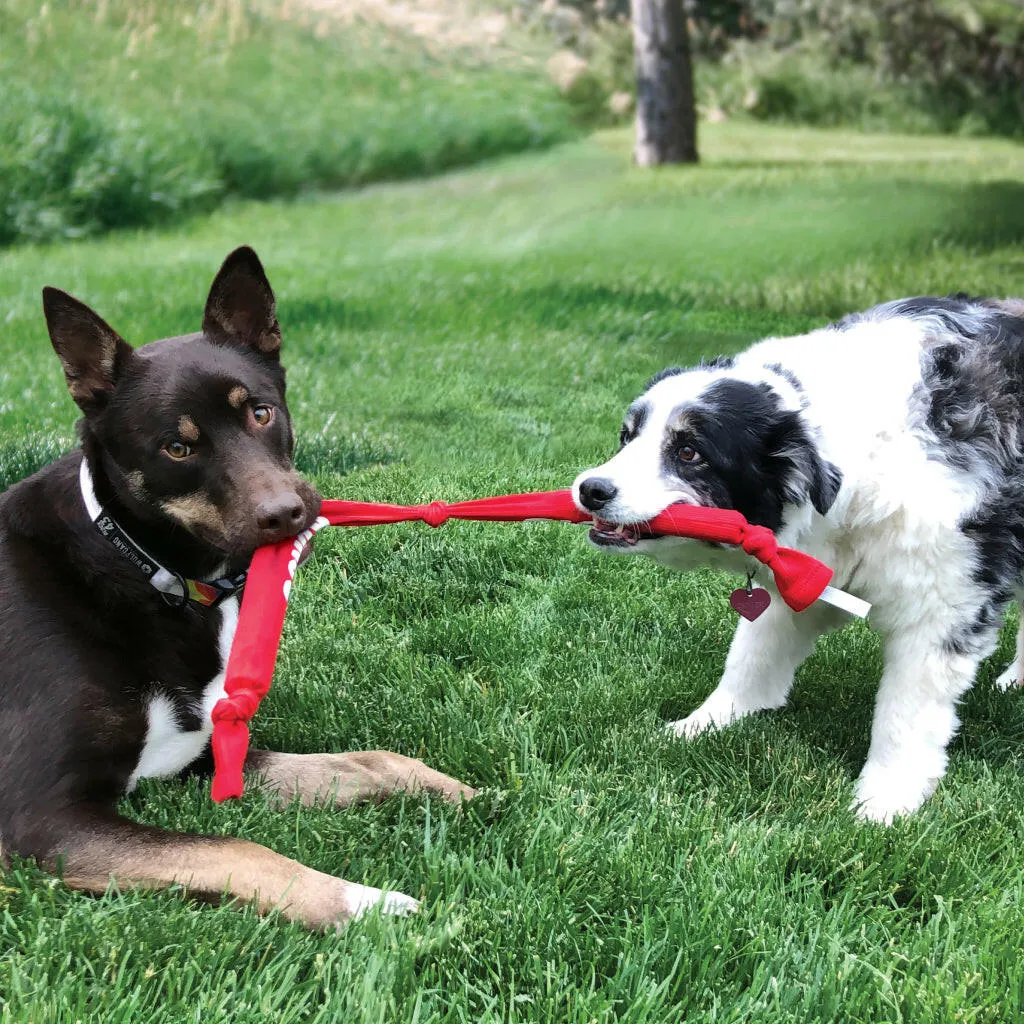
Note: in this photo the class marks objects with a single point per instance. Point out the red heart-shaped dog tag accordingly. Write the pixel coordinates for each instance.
(750, 603)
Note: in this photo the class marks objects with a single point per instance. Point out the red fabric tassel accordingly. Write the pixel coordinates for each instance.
(800, 580)
(250, 667)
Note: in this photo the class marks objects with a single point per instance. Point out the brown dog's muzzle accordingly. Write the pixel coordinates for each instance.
(281, 505)
(280, 515)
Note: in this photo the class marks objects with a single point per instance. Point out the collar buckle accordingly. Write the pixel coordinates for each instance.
(176, 600)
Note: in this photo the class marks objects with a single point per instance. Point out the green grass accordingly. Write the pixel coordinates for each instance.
(131, 112)
(482, 333)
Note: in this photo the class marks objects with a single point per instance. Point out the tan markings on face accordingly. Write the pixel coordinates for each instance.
(137, 485)
(188, 429)
(238, 396)
(195, 511)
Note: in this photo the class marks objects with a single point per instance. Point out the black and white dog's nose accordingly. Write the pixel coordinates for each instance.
(596, 492)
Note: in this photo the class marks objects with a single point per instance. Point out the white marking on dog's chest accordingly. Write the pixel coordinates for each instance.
(168, 748)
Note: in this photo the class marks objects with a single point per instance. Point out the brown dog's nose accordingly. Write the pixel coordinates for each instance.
(279, 516)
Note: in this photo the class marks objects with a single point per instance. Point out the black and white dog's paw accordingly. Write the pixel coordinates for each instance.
(718, 711)
(1012, 677)
(885, 794)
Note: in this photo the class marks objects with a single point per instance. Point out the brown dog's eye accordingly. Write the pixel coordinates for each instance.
(262, 414)
(178, 450)
(688, 454)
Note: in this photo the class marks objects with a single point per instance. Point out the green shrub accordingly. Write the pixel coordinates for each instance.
(66, 170)
(127, 114)
(954, 66)
(960, 64)
(803, 84)
(799, 88)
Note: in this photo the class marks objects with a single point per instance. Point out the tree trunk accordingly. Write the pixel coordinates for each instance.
(666, 119)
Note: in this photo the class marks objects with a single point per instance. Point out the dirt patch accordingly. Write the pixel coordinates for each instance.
(447, 23)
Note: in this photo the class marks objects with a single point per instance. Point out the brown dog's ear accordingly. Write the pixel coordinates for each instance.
(92, 353)
(240, 308)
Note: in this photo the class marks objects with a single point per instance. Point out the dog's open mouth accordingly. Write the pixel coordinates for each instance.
(620, 535)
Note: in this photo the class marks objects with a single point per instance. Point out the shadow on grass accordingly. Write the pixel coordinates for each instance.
(799, 229)
(983, 216)
(318, 454)
(832, 707)
(860, 214)
(304, 311)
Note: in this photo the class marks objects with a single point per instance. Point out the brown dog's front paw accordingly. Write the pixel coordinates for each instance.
(344, 779)
(467, 792)
(398, 773)
(325, 903)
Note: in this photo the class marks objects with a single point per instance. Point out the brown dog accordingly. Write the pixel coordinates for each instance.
(120, 571)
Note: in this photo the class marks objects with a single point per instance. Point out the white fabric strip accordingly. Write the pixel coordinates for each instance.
(846, 602)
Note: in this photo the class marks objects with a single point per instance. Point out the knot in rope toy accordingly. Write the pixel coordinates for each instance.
(800, 579)
(759, 542)
(435, 514)
(239, 707)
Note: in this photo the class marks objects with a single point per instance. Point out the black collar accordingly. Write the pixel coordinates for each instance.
(175, 589)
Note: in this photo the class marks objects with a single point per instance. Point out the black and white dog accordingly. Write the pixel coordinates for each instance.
(891, 446)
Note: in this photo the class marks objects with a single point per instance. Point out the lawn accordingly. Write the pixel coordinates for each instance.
(481, 333)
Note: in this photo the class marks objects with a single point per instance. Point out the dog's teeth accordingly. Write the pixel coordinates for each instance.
(620, 529)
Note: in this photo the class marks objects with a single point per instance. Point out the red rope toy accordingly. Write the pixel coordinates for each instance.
(800, 579)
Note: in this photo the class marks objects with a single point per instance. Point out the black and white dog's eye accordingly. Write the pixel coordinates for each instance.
(688, 454)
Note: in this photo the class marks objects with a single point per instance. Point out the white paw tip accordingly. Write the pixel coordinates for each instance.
(870, 813)
(395, 903)
(399, 904)
(691, 727)
(1010, 679)
(883, 803)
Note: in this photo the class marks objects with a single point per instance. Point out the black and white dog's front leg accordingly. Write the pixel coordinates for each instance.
(759, 669)
(927, 671)
(1013, 675)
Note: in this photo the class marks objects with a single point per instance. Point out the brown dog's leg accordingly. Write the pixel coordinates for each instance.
(99, 849)
(344, 779)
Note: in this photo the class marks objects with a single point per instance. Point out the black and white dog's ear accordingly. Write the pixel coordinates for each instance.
(240, 309)
(91, 352)
(810, 477)
(826, 479)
